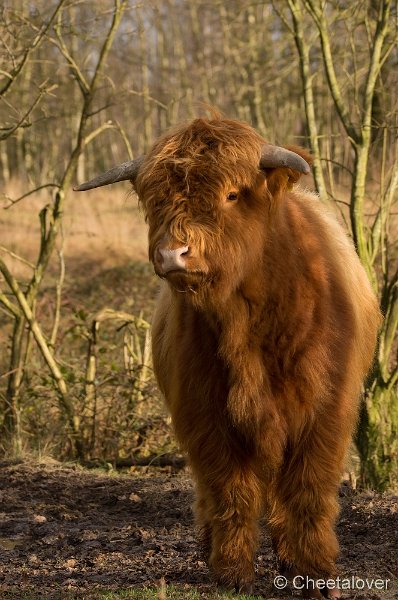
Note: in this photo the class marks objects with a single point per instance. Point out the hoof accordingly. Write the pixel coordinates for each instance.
(332, 594)
(321, 593)
(287, 570)
(312, 594)
(244, 588)
(239, 587)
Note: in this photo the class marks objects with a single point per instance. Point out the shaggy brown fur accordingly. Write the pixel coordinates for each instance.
(260, 347)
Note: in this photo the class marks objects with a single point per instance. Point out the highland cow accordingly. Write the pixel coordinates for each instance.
(264, 330)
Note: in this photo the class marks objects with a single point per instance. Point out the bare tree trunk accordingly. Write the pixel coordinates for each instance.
(10, 430)
(199, 46)
(182, 65)
(232, 68)
(307, 77)
(147, 107)
(5, 166)
(163, 69)
(254, 95)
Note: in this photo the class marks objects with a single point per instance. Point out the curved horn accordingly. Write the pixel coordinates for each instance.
(122, 172)
(275, 156)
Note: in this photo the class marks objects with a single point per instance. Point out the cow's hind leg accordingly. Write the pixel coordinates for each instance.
(303, 510)
(232, 509)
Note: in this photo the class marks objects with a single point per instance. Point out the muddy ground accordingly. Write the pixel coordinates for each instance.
(66, 530)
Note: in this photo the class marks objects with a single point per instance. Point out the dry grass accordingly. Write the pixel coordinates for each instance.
(104, 226)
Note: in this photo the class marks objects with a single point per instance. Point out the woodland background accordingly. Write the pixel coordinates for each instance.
(86, 84)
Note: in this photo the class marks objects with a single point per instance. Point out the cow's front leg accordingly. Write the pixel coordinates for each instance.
(308, 585)
(233, 506)
(304, 508)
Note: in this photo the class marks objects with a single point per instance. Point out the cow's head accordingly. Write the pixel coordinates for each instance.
(208, 190)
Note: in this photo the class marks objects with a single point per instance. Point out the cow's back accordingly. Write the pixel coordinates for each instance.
(345, 264)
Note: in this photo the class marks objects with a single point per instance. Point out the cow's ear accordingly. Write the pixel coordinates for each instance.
(281, 179)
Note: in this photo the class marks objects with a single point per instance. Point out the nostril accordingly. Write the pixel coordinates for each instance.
(173, 258)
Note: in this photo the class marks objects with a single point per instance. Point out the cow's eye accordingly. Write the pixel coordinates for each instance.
(232, 196)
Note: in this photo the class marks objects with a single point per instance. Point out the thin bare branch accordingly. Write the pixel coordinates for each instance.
(16, 71)
(23, 120)
(10, 306)
(317, 11)
(40, 187)
(17, 257)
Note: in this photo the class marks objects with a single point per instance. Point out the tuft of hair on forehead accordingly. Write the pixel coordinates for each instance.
(214, 152)
(201, 136)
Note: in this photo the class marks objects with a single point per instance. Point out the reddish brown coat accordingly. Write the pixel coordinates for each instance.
(260, 348)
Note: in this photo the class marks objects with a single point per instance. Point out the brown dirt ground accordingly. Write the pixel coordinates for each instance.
(64, 529)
